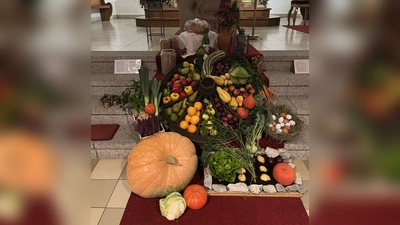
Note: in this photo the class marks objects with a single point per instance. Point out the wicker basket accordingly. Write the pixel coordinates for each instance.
(294, 130)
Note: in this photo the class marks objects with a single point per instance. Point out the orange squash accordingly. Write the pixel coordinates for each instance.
(161, 164)
(284, 173)
(195, 196)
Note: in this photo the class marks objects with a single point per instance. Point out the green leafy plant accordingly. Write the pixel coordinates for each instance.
(144, 3)
(263, 2)
(219, 143)
(224, 165)
(132, 97)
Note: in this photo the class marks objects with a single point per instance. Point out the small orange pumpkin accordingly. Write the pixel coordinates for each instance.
(284, 173)
(161, 164)
(195, 196)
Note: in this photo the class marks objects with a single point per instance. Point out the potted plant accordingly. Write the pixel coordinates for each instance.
(228, 15)
(263, 2)
(144, 3)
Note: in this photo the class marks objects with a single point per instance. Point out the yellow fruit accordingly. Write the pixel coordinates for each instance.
(195, 120)
(192, 128)
(184, 124)
(191, 111)
(198, 106)
(198, 113)
(187, 118)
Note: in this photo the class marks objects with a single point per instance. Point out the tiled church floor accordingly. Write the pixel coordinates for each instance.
(123, 35)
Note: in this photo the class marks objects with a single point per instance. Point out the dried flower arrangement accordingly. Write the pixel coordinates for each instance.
(228, 14)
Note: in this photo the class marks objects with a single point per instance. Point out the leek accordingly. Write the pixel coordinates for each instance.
(144, 83)
(156, 97)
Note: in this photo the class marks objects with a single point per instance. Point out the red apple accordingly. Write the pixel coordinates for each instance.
(182, 94)
(184, 82)
(236, 92)
(189, 80)
(245, 95)
(176, 76)
(194, 83)
(242, 89)
(169, 84)
(251, 90)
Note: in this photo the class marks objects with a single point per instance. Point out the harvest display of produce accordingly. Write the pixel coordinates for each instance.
(210, 89)
(223, 106)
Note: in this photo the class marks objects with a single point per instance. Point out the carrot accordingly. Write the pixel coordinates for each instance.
(268, 94)
(265, 95)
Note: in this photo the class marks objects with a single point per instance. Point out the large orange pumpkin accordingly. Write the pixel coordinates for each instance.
(27, 163)
(195, 196)
(161, 164)
(284, 173)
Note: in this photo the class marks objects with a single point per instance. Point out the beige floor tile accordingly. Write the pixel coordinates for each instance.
(101, 192)
(306, 197)
(94, 164)
(302, 169)
(112, 217)
(123, 174)
(120, 196)
(307, 163)
(108, 169)
(95, 215)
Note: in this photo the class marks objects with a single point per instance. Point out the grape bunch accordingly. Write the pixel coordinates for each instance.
(227, 118)
(257, 63)
(221, 68)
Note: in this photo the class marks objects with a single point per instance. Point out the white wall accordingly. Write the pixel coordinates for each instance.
(122, 8)
(132, 7)
(126, 7)
(279, 7)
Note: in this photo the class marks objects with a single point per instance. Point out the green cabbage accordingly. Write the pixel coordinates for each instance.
(172, 206)
(238, 75)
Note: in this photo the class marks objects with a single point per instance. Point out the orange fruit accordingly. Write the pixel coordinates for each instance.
(192, 128)
(187, 118)
(191, 111)
(195, 120)
(197, 113)
(184, 125)
(198, 106)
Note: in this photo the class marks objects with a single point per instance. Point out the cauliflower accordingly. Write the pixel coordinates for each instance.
(172, 206)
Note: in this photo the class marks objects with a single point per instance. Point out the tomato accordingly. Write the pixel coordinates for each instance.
(150, 109)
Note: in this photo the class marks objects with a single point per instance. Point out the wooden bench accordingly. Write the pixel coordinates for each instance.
(105, 9)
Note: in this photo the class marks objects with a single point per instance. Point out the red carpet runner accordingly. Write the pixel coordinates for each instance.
(221, 210)
(301, 28)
